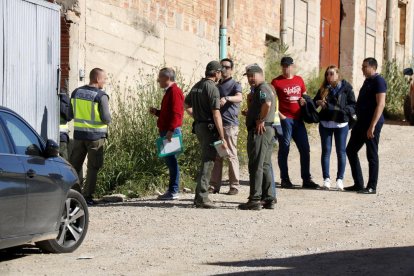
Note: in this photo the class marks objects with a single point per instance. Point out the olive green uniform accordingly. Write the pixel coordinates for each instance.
(203, 98)
(259, 147)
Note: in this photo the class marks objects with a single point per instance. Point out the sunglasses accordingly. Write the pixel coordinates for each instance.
(331, 73)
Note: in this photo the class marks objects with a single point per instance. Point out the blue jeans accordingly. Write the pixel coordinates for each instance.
(172, 164)
(296, 130)
(340, 135)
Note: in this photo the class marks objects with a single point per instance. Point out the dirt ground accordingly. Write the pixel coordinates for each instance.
(309, 233)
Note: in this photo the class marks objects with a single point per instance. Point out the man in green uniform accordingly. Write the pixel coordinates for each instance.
(203, 104)
(259, 121)
(91, 119)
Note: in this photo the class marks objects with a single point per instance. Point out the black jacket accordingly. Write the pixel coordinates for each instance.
(309, 111)
(66, 112)
(341, 106)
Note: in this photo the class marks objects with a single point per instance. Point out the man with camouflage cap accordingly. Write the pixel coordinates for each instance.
(259, 121)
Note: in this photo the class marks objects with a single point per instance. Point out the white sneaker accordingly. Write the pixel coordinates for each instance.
(340, 184)
(327, 183)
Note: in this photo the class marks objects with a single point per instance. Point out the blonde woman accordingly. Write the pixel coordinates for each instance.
(337, 101)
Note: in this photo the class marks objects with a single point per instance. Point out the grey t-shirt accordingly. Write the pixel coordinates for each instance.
(263, 93)
(230, 111)
(203, 98)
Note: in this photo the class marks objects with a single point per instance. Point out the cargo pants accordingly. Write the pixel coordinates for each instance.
(206, 138)
(259, 150)
(94, 151)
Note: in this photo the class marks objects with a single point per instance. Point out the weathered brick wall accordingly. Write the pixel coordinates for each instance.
(125, 37)
(64, 53)
(248, 24)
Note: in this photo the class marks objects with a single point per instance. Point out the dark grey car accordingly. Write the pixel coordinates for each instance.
(39, 191)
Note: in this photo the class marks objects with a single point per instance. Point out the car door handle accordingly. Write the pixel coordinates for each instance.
(31, 173)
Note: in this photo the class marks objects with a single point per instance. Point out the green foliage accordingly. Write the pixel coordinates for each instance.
(132, 166)
(398, 88)
(275, 52)
(313, 82)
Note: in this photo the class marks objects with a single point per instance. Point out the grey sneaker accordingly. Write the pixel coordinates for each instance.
(169, 196)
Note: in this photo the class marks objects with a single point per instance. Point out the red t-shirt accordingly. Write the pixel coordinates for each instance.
(289, 91)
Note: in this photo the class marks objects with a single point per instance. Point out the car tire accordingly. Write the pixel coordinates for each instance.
(73, 226)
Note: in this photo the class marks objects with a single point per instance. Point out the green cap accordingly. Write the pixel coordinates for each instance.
(213, 66)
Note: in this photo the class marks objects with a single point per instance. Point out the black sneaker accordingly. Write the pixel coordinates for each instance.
(269, 204)
(367, 191)
(251, 205)
(353, 188)
(309, 184)
(286, 184)
(90, 202)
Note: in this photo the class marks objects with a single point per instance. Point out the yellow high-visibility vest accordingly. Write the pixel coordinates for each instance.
(86, 112)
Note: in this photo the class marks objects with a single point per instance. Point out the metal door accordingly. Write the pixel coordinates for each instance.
(31, 61)
(330, 32)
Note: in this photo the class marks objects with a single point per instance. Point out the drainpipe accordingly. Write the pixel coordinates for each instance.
(223, 29)
(283, 22)
(390, 31)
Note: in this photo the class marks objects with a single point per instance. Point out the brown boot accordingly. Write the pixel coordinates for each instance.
(233, 191)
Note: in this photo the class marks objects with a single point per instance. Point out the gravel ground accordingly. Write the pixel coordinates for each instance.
(309, 233)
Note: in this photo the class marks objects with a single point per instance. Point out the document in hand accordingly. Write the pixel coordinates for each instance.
(166, 148)
(221, 150)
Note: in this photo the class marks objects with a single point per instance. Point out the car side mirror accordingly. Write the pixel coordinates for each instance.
(52, 149)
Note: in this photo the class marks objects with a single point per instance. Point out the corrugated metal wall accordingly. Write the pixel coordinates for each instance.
(31, 60)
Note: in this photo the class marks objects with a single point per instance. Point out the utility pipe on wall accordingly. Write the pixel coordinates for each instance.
(223, 29)
(283, 22)
(390, 31)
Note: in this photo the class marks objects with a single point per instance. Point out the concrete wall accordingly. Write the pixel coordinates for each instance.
(303, 25)
(362, 35)
(126, 36)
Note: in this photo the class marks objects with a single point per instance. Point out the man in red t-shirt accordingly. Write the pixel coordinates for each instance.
(170, 120)
(290, 89)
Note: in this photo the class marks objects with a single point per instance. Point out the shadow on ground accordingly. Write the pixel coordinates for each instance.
(18, 252)
(378, 261)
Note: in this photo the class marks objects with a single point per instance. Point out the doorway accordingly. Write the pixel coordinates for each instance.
(330, 32)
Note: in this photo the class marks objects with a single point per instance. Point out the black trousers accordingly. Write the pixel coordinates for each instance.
(357, 140)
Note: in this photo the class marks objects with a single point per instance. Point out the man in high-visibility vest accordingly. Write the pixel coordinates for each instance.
(66, 115)
(91, 119)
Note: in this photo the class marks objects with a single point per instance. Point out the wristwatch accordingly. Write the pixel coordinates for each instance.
(227, 98)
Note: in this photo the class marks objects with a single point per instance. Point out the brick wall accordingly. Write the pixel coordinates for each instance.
(64, 53)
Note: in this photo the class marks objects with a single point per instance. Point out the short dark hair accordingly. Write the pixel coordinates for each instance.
(210, 74)
(228, 60)
(168, 72)
(372, 62)
(93, 75)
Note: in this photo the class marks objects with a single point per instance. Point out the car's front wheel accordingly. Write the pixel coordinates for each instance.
(73, 226)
